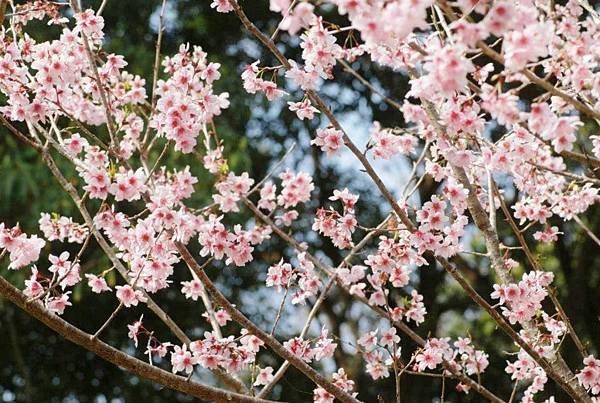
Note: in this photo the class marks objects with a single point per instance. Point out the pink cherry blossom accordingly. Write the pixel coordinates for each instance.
(264, 376)
(329, 139)
(182, 360)
(58, 305)
(496, 127)
(23, 250)
(128, 296)
(97, 284)
(134, 330)
(303, 109)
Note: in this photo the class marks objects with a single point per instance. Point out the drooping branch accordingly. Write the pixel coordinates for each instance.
(116, 357)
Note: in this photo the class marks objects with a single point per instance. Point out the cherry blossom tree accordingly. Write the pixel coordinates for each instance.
(468, 62)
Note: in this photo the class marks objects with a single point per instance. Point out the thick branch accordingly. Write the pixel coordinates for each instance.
(269, 340)
(557, 369)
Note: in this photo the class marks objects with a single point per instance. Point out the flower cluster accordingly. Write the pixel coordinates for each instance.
(129, 296)
(329, 140)
(97, 283)
(463, 357)
(214, 352)
(61, 228)
(338, 226)
(22, 249)
(411, 308)
(377, 349)
(384, 26)
(231, 189)
(296, 18)
(589, 376)
(320, 50)
(340, 379)
(385, 144)
(61, 82)
(306, 77)
(253, 82)
(218, 242)
(304, 109)
(186, 100)
(526, 369)
(447, 70)
(67, 271)
(522, 300)
(128, 185)
(312, 350)
(296, 188)
(94, 171)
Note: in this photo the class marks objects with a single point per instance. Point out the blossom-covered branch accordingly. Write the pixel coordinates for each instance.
(477, 141)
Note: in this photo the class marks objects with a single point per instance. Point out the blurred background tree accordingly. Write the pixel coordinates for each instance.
(38, 366)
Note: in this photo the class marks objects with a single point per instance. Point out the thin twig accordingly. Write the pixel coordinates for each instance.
(101, 8)
(370, 86)
(536, 266)
(110, 319)
(94, 69)
(155, 70)
(280, 310)
(586, 229)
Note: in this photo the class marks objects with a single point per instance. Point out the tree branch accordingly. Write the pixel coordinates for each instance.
(116, 357)
(269, 340)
